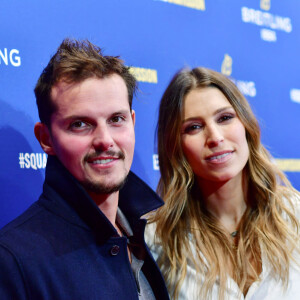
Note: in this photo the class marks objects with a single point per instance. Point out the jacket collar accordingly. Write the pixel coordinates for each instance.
(136, 198)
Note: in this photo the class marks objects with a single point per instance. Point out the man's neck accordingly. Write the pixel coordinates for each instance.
(108, 204)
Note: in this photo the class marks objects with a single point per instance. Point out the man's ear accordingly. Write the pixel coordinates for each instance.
(43, 135)
(133, 116)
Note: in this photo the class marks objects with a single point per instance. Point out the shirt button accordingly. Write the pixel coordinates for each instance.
(115, 250)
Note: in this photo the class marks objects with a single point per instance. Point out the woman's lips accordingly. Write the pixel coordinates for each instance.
(219, 157)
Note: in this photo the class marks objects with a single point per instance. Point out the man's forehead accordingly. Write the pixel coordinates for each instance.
(64, 85)
(61, 87)
(91, 97)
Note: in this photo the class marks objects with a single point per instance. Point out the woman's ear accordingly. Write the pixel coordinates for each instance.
(43, 135)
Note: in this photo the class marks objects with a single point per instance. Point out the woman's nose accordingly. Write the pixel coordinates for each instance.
(214, 136)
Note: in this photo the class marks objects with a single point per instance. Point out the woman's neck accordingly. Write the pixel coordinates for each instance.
(226, 200)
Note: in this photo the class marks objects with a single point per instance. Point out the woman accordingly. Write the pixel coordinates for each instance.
(229, 228)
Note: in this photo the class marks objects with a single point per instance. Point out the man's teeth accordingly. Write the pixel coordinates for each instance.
(102, 161)
(219, 156)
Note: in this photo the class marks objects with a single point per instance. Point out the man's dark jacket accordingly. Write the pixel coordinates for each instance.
(63, 247)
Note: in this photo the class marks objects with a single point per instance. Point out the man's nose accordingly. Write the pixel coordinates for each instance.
(102, 138)
(214, 136)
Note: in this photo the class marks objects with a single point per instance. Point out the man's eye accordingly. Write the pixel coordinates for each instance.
(117, 119)
(78, 125)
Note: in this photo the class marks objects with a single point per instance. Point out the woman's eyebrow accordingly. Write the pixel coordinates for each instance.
(222, 109)
(215, 113)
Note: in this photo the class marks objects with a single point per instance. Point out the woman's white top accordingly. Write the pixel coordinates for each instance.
(265, 289)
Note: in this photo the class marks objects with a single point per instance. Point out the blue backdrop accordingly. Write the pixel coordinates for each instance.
(256, 42)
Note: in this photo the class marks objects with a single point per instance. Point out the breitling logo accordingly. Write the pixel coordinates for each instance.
(268, 21)
(265, 4)
(246, 87)
(10, 57)
(265, 19)
(226, 68)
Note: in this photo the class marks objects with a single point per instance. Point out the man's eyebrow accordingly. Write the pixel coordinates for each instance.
(215, 113)
(121, 112)
(72, 117)
(86, 117)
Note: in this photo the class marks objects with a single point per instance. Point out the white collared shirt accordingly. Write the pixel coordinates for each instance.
(265, 289)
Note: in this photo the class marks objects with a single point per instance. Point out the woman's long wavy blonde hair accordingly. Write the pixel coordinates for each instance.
(268, 223)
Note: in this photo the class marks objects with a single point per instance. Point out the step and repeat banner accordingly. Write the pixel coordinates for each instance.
(255, 42)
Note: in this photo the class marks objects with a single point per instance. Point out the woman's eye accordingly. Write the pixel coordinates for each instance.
(192, 128)
(225, 118)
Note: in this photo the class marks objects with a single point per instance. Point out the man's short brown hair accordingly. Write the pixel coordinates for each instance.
(73, 62)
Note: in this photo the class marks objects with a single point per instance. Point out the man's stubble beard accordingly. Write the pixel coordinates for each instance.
(100, 189)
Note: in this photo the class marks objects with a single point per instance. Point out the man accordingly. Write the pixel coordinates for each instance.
(84, 237)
